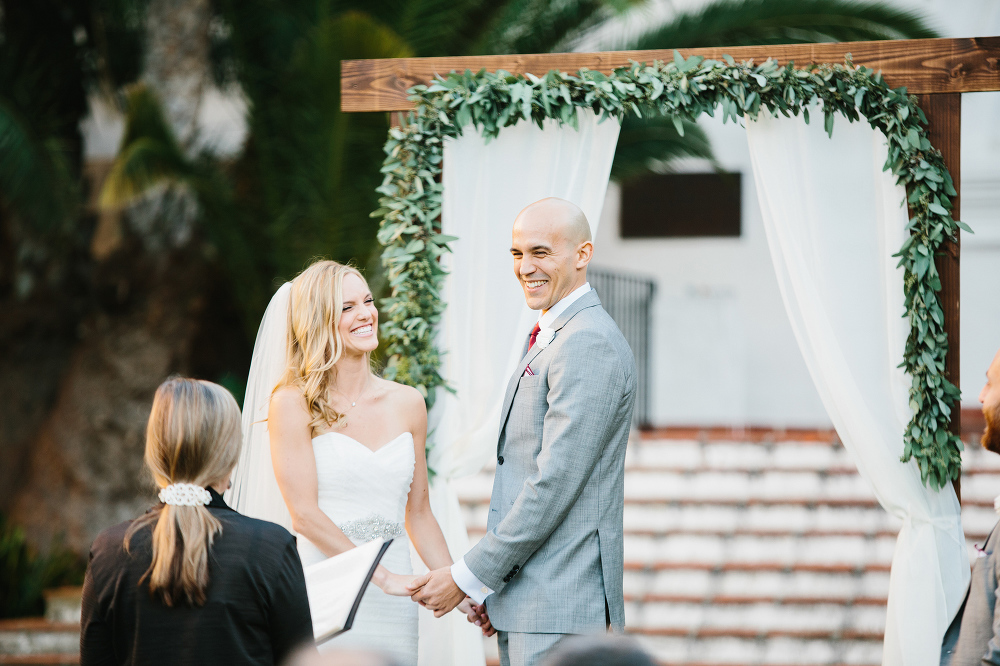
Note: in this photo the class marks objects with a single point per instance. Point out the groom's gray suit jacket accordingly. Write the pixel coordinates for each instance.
(553, 550)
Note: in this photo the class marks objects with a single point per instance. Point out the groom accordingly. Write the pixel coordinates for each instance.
(551, 563)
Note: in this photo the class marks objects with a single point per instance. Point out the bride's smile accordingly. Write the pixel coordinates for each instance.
(359, 316)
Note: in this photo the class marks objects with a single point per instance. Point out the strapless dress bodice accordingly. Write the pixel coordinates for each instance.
(363, 488)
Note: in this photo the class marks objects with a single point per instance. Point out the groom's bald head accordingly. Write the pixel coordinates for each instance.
(562, 216)
(551, 245)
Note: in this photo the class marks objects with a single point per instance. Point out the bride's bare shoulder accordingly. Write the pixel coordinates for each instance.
(402, 396)
(288, 400)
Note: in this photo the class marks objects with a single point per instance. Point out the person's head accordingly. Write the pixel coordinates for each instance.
(193, 436)
(598, 650)
(990, 397)
(551, 245)
(331, 317)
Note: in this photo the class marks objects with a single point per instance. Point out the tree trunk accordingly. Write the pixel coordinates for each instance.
(78, 467)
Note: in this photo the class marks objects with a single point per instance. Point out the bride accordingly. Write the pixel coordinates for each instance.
(340, 458)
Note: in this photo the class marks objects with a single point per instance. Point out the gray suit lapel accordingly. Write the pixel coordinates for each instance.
(588, 300)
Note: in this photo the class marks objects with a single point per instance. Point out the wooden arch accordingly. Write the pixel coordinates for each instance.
(938, 71)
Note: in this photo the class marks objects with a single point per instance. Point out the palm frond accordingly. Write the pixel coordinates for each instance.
(35, 178)
(149, 153)
(435, 27)
(653, 143)
(539, 26)
(748, 22)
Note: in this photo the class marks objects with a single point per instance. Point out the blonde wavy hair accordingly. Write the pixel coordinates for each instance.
(193, 436)
(315, 343)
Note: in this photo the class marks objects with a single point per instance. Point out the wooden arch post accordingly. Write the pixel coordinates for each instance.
(937, 70)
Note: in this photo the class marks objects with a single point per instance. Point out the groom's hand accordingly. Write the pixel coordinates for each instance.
(478, 616)
(437, 591)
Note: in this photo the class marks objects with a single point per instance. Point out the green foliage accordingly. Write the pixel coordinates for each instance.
(680, 90)
(652, 143)
(150, 156)
(149, 153)
(24, 573)
(747, 22)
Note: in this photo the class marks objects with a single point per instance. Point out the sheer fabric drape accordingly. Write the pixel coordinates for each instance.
(833, 219)
(487, 322)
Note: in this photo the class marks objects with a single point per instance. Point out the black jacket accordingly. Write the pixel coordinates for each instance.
(256, 611)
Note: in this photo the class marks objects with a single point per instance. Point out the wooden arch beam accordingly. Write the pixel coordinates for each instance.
(924, 66)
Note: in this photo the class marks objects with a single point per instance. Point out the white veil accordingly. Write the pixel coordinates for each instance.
(254, 490)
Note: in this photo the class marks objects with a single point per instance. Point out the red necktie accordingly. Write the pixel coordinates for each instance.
(534, 334)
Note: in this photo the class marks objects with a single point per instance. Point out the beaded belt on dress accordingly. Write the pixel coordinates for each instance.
(370, 528)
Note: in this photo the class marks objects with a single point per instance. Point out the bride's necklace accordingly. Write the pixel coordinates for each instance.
(343, 416)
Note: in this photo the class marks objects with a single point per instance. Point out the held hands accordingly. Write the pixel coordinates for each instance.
(477, 615)
(395, 584)
(436, 591)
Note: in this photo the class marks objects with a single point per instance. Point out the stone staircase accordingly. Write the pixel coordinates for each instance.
(757, 546)
(752, 547)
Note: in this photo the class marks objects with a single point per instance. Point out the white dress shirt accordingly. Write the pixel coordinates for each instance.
(467, 581)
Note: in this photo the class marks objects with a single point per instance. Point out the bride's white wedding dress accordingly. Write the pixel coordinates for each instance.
(364, 492)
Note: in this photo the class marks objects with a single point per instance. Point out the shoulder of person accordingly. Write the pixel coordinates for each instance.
(590, 326)
(594, 334)
(111, 540)
(288, 396)
(289, 402)
(402, 395)
(268, 536)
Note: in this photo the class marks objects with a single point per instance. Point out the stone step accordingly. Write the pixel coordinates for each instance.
(63, 604)
(774, 651)
(42, 659)
(756, 620)
(789, 586)
(652, 519)
(38, 636)
(834, 552)
(734, 488)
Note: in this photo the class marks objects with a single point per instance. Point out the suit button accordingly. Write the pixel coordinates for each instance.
(500, 460)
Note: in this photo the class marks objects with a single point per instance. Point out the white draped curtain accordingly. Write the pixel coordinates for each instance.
(487, 322)
(833, 219)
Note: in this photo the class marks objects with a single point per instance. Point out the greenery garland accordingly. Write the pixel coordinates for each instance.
(682, 90)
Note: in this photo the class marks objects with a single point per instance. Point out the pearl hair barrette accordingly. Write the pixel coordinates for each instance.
(185, 494)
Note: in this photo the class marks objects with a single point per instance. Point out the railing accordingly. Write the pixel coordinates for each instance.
(628, 299)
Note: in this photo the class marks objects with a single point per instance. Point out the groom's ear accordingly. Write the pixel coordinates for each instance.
(584, 253)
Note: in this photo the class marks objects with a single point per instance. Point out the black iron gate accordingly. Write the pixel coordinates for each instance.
(628, 299)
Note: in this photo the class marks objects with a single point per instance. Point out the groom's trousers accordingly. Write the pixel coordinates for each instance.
(520, 649)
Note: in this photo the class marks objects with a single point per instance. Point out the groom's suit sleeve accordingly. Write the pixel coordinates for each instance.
(586, 383)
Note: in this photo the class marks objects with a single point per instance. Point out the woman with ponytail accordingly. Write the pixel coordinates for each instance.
(192, 581)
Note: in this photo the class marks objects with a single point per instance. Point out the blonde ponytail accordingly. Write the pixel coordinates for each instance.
(193, 436)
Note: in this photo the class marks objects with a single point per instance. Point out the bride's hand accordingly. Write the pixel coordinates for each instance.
(476, 614)
(394, 584)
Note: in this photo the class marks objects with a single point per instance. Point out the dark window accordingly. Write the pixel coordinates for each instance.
(681, 205)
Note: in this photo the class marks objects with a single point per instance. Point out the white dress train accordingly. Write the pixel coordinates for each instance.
(364, 493)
